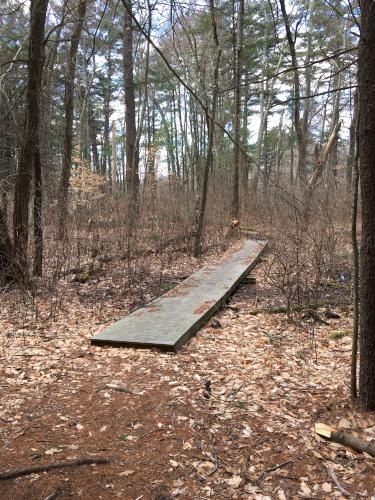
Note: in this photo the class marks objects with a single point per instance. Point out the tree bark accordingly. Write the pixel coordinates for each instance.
(132, 154)
(38, 211)
(237, 113)
(352, 145)
(198, 243)
(69, 114)
(298, 125)
(367, 178)
(38, 10)
(114, 157)
(45, 130)
(5, 248)
(93, 139)
(355, 292)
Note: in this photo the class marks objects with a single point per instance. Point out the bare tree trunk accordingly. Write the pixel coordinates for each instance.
(106, 150)
(354, 363)
(266, 95)
(352, 145)
(5, 248)
(301, 139)
(45, 130)
(279, 146)
(132, 153)
(237, 113)
(69, 112)
(367, 176)
(38, 211)
(93, 139)
(211, 131)
(114, 157)
(38, 9)
(306, 105)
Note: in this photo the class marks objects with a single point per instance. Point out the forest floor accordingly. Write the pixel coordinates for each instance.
(272, 378)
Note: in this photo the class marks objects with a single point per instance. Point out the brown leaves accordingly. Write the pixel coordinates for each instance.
(148, 409)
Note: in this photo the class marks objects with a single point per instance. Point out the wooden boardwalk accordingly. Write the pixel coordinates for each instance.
(171, 320)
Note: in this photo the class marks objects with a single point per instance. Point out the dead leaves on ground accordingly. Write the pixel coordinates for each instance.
(252, 437)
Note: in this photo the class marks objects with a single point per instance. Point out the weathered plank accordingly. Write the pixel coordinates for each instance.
(171, 320)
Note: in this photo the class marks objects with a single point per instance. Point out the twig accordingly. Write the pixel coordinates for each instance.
(215, 457)
(149, 433)
(272, 469)
(19, 434)
(332, 473)
(53, 495)
(25, 471)
(120, 389)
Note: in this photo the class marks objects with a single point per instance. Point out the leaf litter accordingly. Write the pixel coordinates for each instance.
(250, 436)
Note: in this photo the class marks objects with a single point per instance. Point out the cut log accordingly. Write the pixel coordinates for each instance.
(341, 437)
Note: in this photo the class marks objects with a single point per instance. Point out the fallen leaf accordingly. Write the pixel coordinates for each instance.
(51, 451)
(234, 481)
(305, 489)
(327, 487)
(126, 473)
(345, 424)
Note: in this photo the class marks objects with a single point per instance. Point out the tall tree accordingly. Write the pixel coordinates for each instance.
(211, 131)
(114, 157)
(38, 11)
(132, 153)
(367, 177)
(237, 111)
(69, 113)
(298, 121)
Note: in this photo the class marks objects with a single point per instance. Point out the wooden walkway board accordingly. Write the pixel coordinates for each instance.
(171, 320)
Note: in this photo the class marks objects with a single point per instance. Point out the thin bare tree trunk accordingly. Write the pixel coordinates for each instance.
(266, 96)
(5, 247)
(132, 154)
(354, 361)
(114, 157)
(352, 145)
(301, 139)
(93, 139)
(69, 113)
(45, 130)
(38, 211)
(237, 113)
(211, 131)
(306, 105)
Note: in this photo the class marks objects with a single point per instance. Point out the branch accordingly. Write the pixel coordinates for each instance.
(58, 465)
(334, 55)
(14, 61)
(324, 92)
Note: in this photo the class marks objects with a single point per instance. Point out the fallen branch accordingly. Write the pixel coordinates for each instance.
(332, 473)
(272, 469)
(341, 437)
(53, 495)
(119, 388)
(312, 314)
(58, 465)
